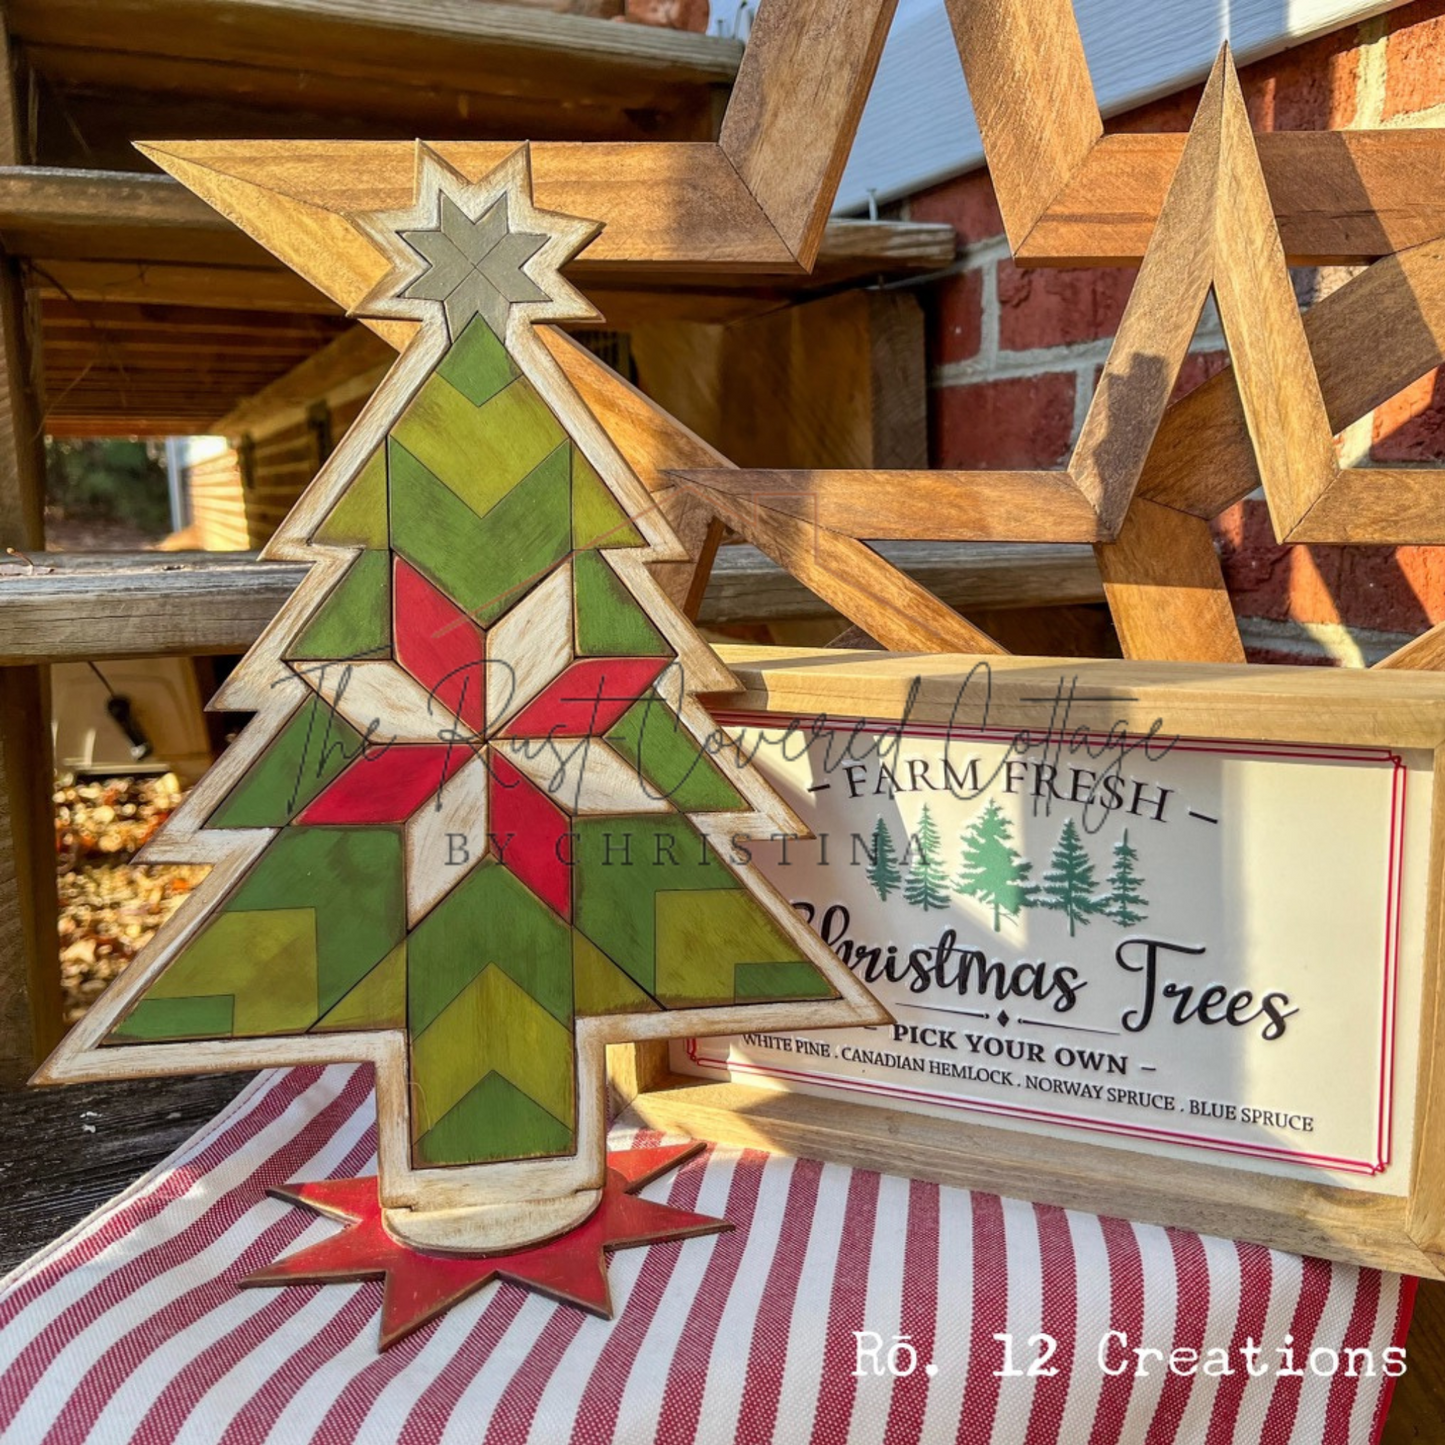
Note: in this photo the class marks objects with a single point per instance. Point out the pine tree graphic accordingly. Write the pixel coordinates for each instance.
(883, 871)
(1069, 887)
(1124, 902)
(993, 871)
(927, 885)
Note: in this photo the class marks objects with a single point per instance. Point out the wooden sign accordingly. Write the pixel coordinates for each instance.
(1118, 912)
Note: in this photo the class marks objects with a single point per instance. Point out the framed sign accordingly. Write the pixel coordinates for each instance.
(1119, 912)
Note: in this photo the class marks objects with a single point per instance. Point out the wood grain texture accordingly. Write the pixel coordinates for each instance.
(1166, 590)
(1280, 393)
(31, 1020)
(1337, 196)
(1158, 324)
(1426, 1217)
(940, 506)
(1032, 98)
(1230, 1203)
(795, 106)
(453, 43)
(1374, 335)
(1253, 702)
(851, 578)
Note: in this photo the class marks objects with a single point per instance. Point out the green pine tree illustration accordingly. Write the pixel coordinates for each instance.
(883, 872)
(927, 885)
(1125, 902)
(1069, 887)
(993, 871)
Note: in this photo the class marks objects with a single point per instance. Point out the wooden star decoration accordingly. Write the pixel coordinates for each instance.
(419, 1287)
(1069, 194)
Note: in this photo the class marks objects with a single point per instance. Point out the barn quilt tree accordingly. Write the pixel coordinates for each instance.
(479, 814)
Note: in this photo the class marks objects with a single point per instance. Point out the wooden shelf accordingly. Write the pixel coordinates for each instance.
(393, 67)
(106, 243)
(151, 604)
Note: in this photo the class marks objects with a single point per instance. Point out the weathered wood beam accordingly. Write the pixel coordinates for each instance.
(154, 604)
(455, 44)
(31, 1020)
(1339, 196)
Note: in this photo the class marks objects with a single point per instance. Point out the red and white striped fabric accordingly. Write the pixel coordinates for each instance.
(130, 1328)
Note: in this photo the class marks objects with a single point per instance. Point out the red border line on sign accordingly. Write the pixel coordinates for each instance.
(1224, 747)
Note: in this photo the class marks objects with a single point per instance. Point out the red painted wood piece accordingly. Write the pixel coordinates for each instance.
(386, 785)
(439, 645)
(588, 698)
(571, 1269)
(533, 830)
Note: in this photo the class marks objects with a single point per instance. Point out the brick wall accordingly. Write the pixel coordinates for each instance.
(1015, 355)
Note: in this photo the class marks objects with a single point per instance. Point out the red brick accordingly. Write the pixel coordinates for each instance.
(1410, 427)
(1385, 588)
(1055, 307)
(955, 318)
(1415, 59)
(966, 203)
(672, 14)
(1308, 87)
(1170, 113)
(1391, 589)
(1024, 422)
(1266, 579)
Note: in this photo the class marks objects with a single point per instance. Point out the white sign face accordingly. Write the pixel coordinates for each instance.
(1191, 946)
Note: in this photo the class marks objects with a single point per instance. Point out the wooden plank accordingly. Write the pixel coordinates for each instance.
(154, 604)
(352, 355)
(1288, 425)
(452, 42)
(145, 283)
(940, 506)
(1338, 196)
(142, 605)
(795, 106)
(1032, 98)
(1367, 340)
(30, 996)
(1165, 588)
(1158, 324)
(1246, 701)
(1233, 1203)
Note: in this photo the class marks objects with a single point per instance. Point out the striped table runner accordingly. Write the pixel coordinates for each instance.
(130, 1327)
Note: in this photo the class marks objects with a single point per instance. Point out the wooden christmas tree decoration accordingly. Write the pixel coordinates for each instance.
(479, 827)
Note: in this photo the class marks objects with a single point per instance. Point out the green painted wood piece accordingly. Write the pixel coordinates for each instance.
(311, 749)
(597, 516)
(354, 620)
(759, 982)
(651, 738)
(482, 563)
(701, 938)
(378, 1001)
(153, 1020)
(609, 621)
(524, 536)
(600, 986)
(477, 363)
(613, 883)
(267, 962)
(479, 452)
(353, 878)
(359, 518)
(490, 917)
(495, 1121)
(492, 1025)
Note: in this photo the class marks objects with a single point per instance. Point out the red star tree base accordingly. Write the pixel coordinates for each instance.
(571, 1268)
